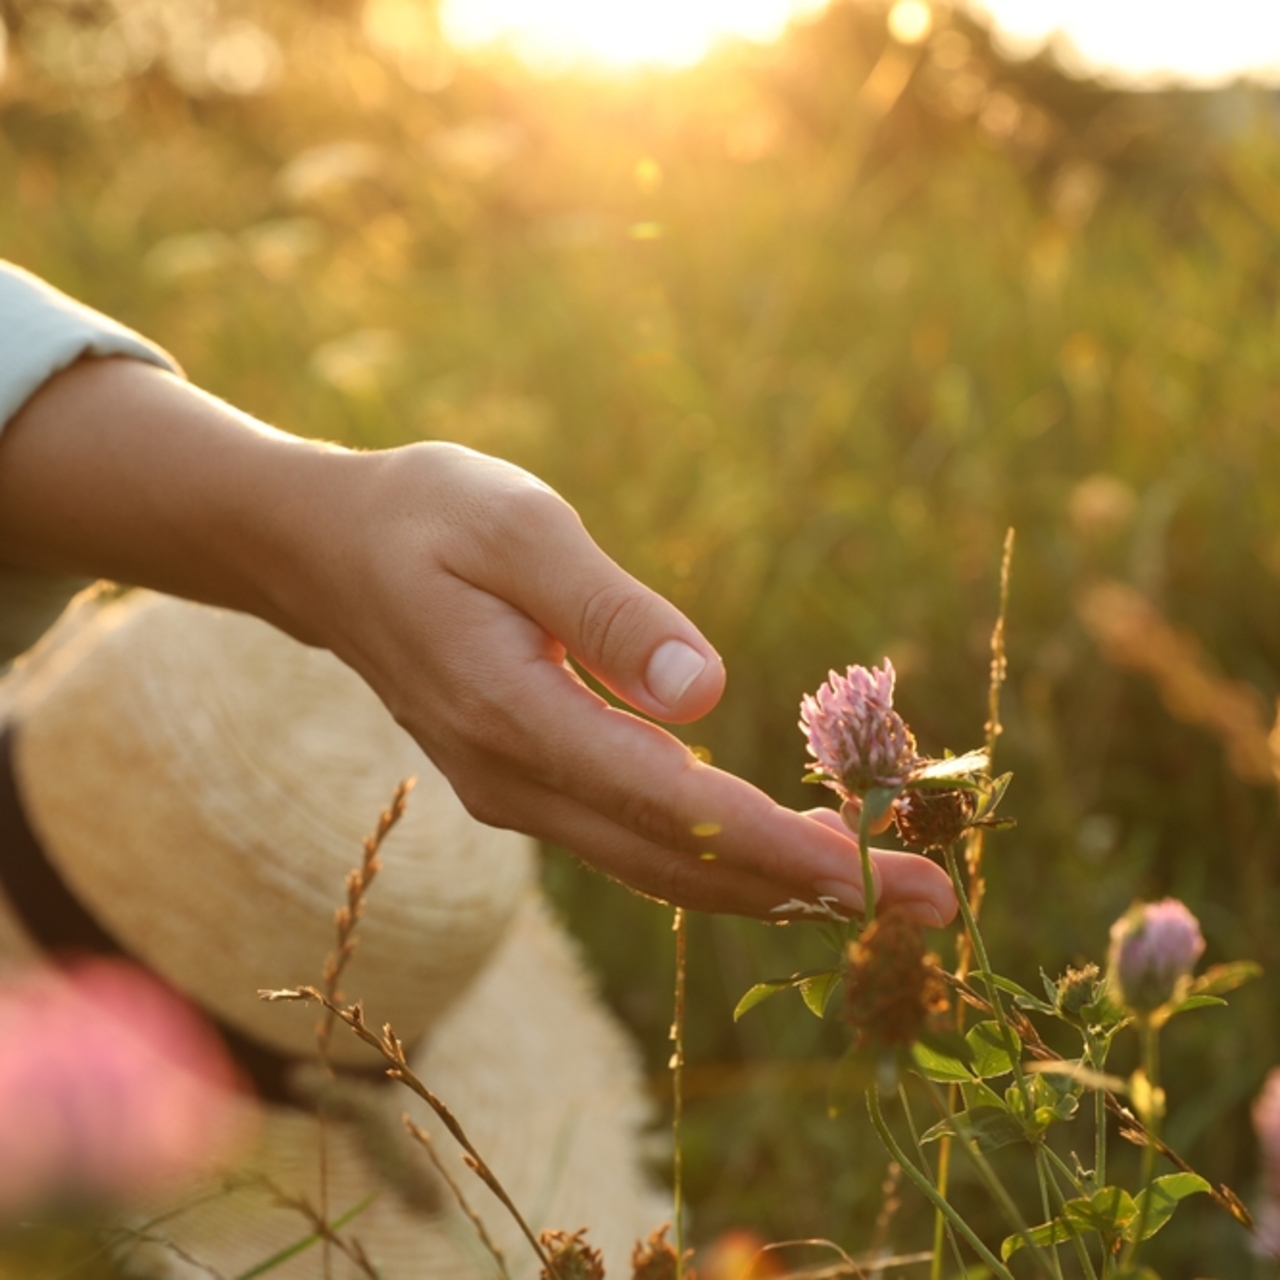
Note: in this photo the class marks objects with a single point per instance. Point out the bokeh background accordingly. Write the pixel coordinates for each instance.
(800, 330)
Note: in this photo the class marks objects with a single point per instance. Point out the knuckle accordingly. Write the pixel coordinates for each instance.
(612, 618)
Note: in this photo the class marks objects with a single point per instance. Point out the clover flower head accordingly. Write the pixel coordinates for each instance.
(856, 738)
(1154, 947)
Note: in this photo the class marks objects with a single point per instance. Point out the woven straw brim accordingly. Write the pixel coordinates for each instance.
(203, 784)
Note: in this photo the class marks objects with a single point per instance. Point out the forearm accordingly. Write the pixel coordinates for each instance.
(117, 469)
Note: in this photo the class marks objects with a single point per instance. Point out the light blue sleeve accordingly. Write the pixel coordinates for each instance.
(42, 332)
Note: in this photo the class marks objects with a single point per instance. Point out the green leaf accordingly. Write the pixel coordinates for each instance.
(991, 1056)
(942, 1057)
(760, 992)
(816, 991)
(1021, 996)
(988, 1129)
(878, 801)
(1106, 1213)
(1222, 978)
(976, 1094)
(1165, 1193)
(1050, 1233)
(763, 990)
(1195, 1002)
(993, 797)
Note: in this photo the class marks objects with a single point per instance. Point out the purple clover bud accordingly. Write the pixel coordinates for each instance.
(1154, 947)
(856, 737)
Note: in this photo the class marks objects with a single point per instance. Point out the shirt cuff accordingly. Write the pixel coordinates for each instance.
(42, 332)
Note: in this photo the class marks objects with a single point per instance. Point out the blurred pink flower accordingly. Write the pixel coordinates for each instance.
(110, 1088)
(1154, 947)
(856, 737)
(1266, 1126)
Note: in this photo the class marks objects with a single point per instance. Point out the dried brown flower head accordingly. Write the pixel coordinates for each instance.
(891, 991)
(1077, 989)
(572, 1258)
(934, 819)
(656, 1258)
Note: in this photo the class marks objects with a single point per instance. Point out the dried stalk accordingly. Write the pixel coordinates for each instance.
(423, 1137)
(345, 918)
(390, 1047)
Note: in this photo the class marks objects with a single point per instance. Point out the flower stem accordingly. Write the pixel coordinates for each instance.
(927, 1187)
(984, 968)
(1151, 1069)
(868, 877)
(982, 1166)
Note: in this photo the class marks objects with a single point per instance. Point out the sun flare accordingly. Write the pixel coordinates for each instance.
(658, 32)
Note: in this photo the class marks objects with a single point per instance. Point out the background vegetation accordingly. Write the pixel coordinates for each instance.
(800, 332)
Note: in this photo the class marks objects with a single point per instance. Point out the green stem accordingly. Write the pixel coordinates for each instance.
(1046, 1207)
(1082, 1252)
(941, 1226)
(868, 876)
(984, 968)
(992, 1180)
(939, 1222)
(1151, 1069)
(927, 1188)
(1098, 1062)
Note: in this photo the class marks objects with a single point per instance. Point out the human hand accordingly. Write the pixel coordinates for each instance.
(459, 586)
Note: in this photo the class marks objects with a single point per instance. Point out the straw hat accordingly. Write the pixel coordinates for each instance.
(201, 784)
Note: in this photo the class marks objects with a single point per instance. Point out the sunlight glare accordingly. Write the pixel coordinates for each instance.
(1149, 41)
(910, 21)
(660, 32)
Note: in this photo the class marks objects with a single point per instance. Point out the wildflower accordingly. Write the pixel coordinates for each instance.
(856, 737)
(571, 1257)
(891, 990)
(1266, 1126)
(1154, 947)
(934, 819)
(655, 1259)
(110, 1088)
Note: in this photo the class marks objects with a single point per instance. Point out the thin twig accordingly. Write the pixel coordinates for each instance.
(388, 1044)
(423, 1137)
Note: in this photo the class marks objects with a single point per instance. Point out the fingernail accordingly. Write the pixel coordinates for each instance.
(847, 895)
(924, 913)
(672, 669)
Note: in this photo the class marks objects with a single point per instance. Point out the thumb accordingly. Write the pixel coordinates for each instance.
(636, 643)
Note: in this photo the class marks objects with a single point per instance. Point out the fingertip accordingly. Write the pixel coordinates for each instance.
(685, 681)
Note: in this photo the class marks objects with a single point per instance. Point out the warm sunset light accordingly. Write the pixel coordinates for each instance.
(1141, 40)
(1150, 40)
(663, 32)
